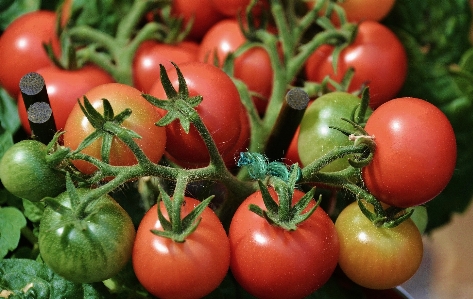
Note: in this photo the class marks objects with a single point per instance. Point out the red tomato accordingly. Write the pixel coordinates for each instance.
(151, 54)
(362, 10)
(21, 47)
(142, 121)
(220, 111)
(377, 257)
(224, 38)
(415, 152)
(191, 269)
(270, 262)
(201, 12)
(231, 8)
(378, 57)
(292, 154)
(64, 88)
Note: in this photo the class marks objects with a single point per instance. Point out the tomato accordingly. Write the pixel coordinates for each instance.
(189, 269)
(142, 121)
(86, 247)
(271, 262)
(362, 10)
(64, 88)
(200, 12)
(220, 111)
(25, 172)
(151, 54)
(226, 37)
(231, 8)
(316, 138)
(21, 47)
(377, 257)
(415, 152)
(292, 154)
(376, 54)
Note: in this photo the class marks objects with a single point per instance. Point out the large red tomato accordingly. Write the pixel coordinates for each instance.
(151, 54)
(142, 121)
(64, 88)
(378, 57)
(415, 153)
(271, 262)
(189, 269)
(21, 47)
(220, 110)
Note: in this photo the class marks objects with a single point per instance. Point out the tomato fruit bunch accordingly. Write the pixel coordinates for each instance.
(179, 104)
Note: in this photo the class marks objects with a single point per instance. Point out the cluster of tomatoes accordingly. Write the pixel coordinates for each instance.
(188, 114)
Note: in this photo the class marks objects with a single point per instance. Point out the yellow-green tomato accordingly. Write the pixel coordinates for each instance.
(316, 138)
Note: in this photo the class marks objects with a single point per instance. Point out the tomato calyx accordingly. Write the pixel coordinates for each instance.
(177, 228)
(284, 214)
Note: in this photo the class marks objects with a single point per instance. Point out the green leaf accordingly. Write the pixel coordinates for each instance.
(11, 223)
(33, 210)
(25, 278)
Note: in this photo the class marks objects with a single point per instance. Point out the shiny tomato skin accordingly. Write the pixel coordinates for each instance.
(377, 257)
(316, 138)
(25, 172)
(191, 269)
(270, 262)
(91, 247)
(378, 57)
(415, 153)
(220, 111)
(21, 47)
(64, 87)
(201, 12)
(151, 54)
(142, 121)
(356, 10)
(226, 37)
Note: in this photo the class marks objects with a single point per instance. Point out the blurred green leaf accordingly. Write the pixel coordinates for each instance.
(11, 223)
(436, 36)
(10, 10)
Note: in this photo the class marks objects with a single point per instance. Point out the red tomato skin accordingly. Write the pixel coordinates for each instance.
(379, 59)
(191, 269)
(142, 121)
(64, 87)
(270, 262)
(292, 154)
(21, 47)
(220, 111)
(202, 12)
(356, 11)
(151, 54)
(226, 37)
(415, 153)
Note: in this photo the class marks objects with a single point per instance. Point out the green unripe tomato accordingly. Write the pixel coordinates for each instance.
(90, 247)
(25, 172)
(316, 138)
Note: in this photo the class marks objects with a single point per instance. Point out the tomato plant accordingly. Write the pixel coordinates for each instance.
(317, 138)
(376, 54)
(24, 168)
(189, 269)
(64, 88)
(220, 111)
(89, 242)
(377, 257)
(151, 54)
(142, 121)
(415, 152)
(21, 47)
(271, 262)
